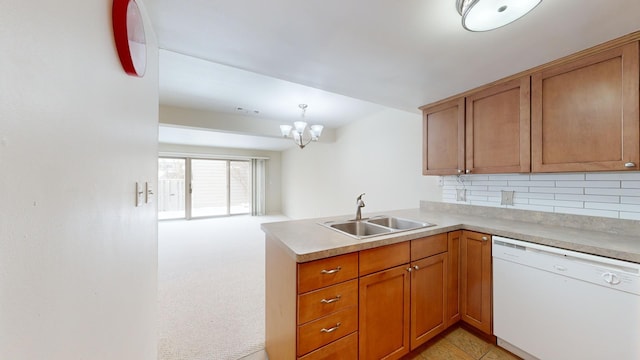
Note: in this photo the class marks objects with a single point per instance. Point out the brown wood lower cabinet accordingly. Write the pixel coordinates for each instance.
(379, 303)
(384, 314)
(475, 265)
(384, 301)
(428, 298)
(453, 277)
(403, 307)
(312, 307)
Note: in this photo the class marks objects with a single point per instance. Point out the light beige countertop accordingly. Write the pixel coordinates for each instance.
(307, 240)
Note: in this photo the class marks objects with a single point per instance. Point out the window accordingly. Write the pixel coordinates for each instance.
(216, 187)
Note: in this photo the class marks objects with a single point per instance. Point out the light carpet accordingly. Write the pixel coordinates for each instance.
(211, 284)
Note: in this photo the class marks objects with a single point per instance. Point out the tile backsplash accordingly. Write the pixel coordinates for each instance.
(614, 195)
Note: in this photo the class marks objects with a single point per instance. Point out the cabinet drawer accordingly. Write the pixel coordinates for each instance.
(343, 349)
(316, 304)
(320, 273)
(320, 332)
(428, 246)
(384, 257)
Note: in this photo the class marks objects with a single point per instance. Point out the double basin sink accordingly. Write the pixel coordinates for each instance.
(375, 226)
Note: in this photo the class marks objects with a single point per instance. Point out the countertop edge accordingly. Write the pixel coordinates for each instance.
(323, 242)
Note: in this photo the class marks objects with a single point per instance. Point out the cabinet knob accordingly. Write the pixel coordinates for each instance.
(468, 171)
(459, 171)
(416, 267)
(409, 269)
(485, 238)
(630, 165)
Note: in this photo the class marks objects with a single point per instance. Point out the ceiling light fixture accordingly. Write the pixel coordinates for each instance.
(485, 15)
(300, 132)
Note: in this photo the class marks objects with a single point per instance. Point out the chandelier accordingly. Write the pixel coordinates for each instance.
(301, 133)
(485, 15)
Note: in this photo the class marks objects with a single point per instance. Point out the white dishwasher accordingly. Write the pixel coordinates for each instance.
(555, 304)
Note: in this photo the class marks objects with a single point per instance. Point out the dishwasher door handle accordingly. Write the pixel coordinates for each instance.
(560, 268)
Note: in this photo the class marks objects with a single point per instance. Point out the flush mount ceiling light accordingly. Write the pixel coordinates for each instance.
(484, 15)
(300, 132)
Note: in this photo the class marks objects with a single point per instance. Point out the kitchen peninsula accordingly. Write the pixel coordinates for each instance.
(296, 251)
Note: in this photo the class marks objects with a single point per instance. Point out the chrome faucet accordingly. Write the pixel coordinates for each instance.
(360, 206)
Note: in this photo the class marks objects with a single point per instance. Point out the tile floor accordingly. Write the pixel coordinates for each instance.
(460, 344)
(457, 344)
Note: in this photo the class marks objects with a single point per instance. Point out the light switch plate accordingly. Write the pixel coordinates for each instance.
(507, 198)
(139, 194)
(148, 193)
(461, 194)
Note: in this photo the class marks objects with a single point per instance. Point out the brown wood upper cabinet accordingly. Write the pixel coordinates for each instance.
(585, 113)
(443, 138)
(498, 129)
(491, 136)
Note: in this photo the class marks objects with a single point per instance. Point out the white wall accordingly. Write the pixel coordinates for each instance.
(273, 169)
(78, 261)
(380, 155)
(615, 195)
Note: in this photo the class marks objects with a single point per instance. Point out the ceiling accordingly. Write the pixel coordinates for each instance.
(348, 59)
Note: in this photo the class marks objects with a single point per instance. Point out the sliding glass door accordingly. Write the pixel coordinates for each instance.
(171, 188)
(239, 187)
(216, 188)
(209, 187)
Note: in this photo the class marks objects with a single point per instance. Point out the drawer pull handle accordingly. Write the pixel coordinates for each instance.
(330, 330)
(332, 271)
(325, 301)
(630, 165)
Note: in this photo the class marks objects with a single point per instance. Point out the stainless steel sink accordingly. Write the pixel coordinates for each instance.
(398, 223)
(376, 226)
(360, 228)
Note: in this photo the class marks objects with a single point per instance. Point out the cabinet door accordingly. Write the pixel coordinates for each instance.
(384, 314)
(453, 278)
(585, 114)
(428, 298)
(475, 254)
(498, 129)
(443, 138)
